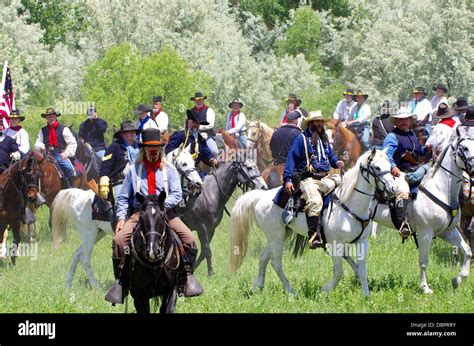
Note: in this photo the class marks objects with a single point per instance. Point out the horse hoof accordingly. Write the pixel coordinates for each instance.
(427, 290)
(455, 282)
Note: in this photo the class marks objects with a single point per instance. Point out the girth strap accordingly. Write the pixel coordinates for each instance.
(450, 210)
(363, 222)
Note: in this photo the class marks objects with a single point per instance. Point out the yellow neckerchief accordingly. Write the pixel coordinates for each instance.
(196, 146)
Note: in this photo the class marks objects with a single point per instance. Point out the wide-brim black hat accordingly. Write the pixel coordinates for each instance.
(126, 126)
(443, 111)
(293, 98)
(151, 138)
(198, 96)
(460, 104)
(157, 99)
(142, 108)
(360, 93)
(440, 86)
(198, 117)
(50, 111)
(15, 114)
(467, 119)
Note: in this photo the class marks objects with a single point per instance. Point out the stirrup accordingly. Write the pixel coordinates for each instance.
(287, 217)
(319, 243)
(405, 230)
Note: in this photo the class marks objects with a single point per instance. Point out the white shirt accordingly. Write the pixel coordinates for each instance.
(436, 101)
(71, 144)
(343, 109)
(240, 123)
(21, 138)
(150, 124)
(440, 137)
(210, 118)
(420, 108)
(161, 121)
(363, 115)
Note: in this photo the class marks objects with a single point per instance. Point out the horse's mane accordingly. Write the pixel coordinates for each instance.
(350, 177)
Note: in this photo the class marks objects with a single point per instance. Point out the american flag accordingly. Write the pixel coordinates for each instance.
(7, 100)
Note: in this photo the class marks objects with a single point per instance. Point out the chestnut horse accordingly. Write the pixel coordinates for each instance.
(346, 145)
(259, 136)
(229, 140)
(467, 213)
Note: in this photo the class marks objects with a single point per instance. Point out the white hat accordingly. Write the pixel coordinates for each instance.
(403, 113)
(313, 115)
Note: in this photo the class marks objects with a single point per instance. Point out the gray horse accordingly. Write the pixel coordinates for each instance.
(205, 212)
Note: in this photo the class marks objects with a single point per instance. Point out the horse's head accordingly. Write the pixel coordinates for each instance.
(254, 133)
(183, 160)
(376, 171)
(31, 175)
(463, 148)
(248, 174)
(153, 225)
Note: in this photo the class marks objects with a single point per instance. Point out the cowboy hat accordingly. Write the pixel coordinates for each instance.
(313, 115)
(197, 117)
(151, 138)
(348, 91)
(468, 118)
(50, 111)
(443, 111)
(461, 104)
(15, 114)
(440, 86)
(239, 101)
(142, 108)
(198, 96)
(402, 113)
(125, 126)
(291, 98)
(419, 90)
(360, 93)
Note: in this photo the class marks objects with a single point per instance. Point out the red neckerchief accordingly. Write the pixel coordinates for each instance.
(448, 121)
(284, 118)
(200, 108)
(154, 115)
(52, 137)
(151, 179)
(16, 128)
(232, 118)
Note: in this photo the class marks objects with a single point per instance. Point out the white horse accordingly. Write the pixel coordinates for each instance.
(434, 213)
(345, 221)
(76, 205)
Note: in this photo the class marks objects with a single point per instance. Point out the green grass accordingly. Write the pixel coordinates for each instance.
(38, 286)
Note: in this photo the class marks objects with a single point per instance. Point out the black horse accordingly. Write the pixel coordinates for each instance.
(205, 212)
(155, 257)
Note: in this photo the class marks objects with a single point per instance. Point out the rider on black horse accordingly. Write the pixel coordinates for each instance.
(148, 176)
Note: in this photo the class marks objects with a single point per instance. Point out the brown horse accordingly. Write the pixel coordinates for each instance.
(19, 186)
(346, 145)
(273, 175)
(259, 136)
(228, 139)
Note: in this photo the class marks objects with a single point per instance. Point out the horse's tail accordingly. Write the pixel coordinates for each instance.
(242, 217)
(60, 210)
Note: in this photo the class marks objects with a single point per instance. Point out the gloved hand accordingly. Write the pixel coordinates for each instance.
(104, 187)
(15, 156)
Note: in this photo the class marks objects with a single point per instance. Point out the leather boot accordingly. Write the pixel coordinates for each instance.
(192, 287)
(401, 218)
(119, 290)
(314, 232)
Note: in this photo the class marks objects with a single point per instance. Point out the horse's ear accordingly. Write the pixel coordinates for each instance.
(372, 152)
(139, 197)
(188, 148)
(162, 197)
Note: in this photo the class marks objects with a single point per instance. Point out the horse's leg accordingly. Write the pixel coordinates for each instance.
(352, 263)
(455, 239)
(362, 268)
(424, 246)
(205, 249)
(265, 257)
(87, 248)
(276, 246)
(168, 305)
(73, 268)
(3, 238)
(142, 305)
(16, 229)
(338, 272)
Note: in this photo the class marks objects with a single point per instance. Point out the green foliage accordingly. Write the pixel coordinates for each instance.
(124, 78)
(325, 101)
(303, 36)
(58, 18)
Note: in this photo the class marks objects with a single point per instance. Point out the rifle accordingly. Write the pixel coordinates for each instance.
(410, 158)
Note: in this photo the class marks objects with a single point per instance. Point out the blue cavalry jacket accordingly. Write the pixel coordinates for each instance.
(92, 132)
(178, 138)
(321, 160)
